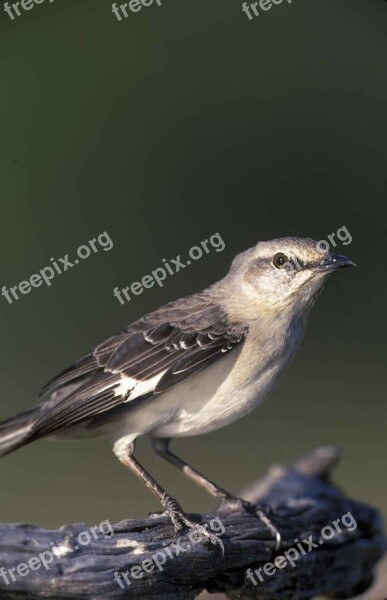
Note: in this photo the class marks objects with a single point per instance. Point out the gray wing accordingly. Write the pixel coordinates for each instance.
(148, 358)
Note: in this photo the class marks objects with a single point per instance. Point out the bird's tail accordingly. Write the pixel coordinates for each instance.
(17, 431)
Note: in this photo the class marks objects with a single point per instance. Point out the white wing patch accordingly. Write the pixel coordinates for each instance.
(130, 388)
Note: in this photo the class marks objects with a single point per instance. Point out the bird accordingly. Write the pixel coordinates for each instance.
(190, 367)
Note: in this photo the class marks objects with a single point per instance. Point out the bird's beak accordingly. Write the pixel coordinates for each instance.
(333, 262)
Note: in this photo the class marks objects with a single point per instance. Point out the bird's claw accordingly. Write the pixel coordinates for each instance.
(231, 503)
(180, 521)
(262, 514)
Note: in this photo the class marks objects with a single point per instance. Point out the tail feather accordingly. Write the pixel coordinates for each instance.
(17, 431)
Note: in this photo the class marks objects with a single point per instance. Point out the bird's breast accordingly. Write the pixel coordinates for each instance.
(231, 387)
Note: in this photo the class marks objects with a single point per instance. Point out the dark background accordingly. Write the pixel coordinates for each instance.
(176, 123)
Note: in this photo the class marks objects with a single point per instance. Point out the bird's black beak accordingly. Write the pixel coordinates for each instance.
(333, 262)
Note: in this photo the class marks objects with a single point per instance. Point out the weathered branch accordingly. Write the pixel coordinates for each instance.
(301, 501)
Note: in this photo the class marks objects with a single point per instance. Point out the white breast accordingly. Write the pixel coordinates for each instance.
(220, 394)
(228, 389)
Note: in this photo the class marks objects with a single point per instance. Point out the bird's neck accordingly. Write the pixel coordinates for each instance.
(281, 332)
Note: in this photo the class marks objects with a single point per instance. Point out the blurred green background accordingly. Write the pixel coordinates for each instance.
(176, 123)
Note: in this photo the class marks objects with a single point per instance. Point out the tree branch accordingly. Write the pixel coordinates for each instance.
(301, 501)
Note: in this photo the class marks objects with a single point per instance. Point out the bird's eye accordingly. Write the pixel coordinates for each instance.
(279, 260)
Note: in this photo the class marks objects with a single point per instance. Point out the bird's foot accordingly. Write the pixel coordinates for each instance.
(262, 514)
(229, 503)
(181, 520)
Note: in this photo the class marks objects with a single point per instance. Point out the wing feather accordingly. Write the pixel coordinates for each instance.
(149, 357)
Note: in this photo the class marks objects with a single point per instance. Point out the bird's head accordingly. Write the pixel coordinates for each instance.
(283, 273)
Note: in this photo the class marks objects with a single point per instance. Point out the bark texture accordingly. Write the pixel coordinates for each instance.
(300, 501)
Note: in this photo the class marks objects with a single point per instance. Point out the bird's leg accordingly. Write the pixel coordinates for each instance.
(161, 447)
(171, 506)
(227, 500)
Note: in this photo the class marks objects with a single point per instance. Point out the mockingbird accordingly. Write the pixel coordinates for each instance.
(190, 367)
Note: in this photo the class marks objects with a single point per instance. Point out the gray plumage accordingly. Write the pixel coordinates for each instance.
(192, 366)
